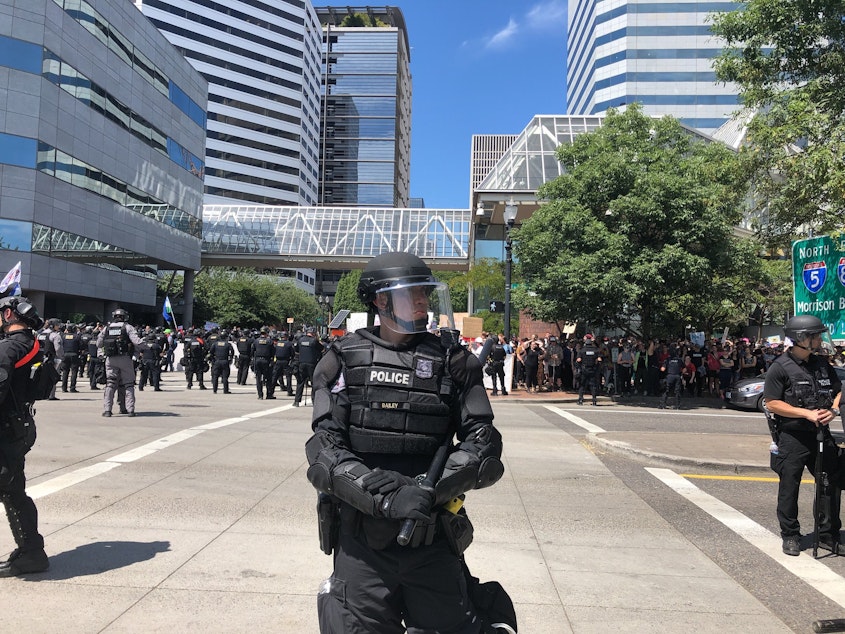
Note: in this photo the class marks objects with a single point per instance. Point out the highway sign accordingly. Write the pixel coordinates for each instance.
(818, 275)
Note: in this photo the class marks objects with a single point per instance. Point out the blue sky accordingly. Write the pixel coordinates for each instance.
(478, 67)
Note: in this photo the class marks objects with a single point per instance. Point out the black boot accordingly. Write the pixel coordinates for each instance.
(29, 556)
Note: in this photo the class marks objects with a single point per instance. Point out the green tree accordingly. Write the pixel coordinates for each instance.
(245, 298)
(788, 59)
(346, 295)
(639, 227)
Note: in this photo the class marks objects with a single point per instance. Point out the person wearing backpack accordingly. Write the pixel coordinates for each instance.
(52, 347)
(117, 340)
(18, 353)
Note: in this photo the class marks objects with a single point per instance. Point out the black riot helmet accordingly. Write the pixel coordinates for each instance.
(402, 289)
(120, 314)
(800, 328)
(23, 309)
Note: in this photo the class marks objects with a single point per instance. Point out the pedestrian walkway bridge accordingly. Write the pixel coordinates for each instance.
(332, 237)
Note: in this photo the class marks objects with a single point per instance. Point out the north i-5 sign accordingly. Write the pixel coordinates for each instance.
(818, 275)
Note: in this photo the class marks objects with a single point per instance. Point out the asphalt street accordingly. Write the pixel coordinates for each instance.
(196, 515)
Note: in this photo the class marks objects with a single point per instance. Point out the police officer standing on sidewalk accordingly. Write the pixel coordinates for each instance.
(673, 367)
(802, 391)
(221, 355)
(117, 340)
(151, 357)
(18, 318)
(385, 399)
(589, 363)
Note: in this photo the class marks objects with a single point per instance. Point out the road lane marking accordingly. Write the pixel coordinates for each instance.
(812, 572)
(575, 419)
(702, 476)
(82, 474)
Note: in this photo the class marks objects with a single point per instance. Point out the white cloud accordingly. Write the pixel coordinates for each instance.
(503, 36)
(546, 14)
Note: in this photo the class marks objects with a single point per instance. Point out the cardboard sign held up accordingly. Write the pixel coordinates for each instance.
(472, 327)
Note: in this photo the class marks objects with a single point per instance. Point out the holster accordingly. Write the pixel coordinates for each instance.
(457, 529)
(328, 522)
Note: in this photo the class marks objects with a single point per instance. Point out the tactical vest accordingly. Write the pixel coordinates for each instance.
(116, 340)
(309, 350)
(395, 405)
(70, 343)
(195, 349)
(498, 354)
(221, 350)
(809, 387)
(589, 357)
(46, 346)
(284, 351)
(264, 347)
(673, 366)
(244, 345)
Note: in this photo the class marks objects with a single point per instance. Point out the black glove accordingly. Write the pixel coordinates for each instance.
(407, 502)
(385, 481)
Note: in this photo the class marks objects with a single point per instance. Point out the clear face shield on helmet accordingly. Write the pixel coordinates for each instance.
(823, 345)
(404, 306)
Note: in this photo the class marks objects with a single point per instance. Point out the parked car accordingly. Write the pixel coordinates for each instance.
(748, 393)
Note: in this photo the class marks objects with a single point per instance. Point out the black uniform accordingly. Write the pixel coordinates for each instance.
(244, 344)
(96, 365)
(381, 411)
(17, 435)
(194, 348)
(221, 356)
(812, 384)
(308, 352)
(262, 352)
(674, 368)
(151, 357)
(70, 363)
(282, 371)
(84, 340)
(497, 361)
(589, 366)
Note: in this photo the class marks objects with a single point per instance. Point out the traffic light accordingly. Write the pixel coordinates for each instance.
(497, 307)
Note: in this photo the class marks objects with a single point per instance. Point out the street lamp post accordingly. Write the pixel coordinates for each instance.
(510, 219)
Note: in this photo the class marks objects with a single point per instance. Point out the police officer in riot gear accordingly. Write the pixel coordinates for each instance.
(70, 361)
(385, 398)
(151, 357)
(282, 359)
(194, 350)
(673, 367)
(497, 361)
(85, 337)
(118, 340)
(51, 344)
(18, 353)
(802, 392)
(308, 351)
(262, 352)
(221, 355)
(244, 345)
(588, 363)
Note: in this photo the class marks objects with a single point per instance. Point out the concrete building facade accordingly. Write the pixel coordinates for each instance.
(102, 134)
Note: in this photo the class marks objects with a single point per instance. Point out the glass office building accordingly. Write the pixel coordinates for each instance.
(366, 118)
(656, 53)
(262, 62)
(102, 139)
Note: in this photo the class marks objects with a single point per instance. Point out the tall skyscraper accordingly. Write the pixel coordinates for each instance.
(365, 142)
(656, 53)
(262, 62)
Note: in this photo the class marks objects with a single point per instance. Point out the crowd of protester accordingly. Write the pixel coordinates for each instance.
(632, 366)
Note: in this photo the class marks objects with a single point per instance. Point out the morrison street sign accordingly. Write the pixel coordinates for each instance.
(818, 275)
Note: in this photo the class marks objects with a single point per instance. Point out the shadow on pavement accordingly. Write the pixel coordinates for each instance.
(98, 557)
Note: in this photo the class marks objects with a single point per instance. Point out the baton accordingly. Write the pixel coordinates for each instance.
(433, 474)
(817, 506)
(829, 625)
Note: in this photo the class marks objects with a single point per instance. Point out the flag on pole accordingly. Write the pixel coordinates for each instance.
(12, 281)
(167, 311)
